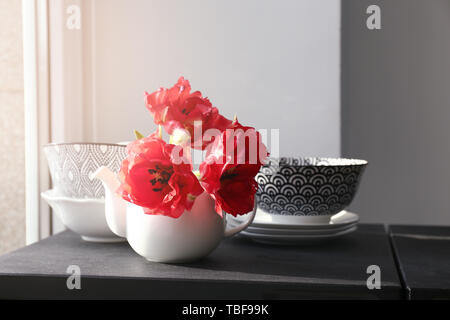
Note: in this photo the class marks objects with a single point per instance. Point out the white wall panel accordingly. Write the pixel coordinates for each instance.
(273, 63)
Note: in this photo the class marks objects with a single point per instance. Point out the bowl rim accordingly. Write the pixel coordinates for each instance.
(54, 144)
(351, 162)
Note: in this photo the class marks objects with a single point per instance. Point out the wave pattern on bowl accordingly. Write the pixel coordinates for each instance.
(308, 186)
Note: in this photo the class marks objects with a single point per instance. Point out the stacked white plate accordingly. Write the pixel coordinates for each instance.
(277, 231)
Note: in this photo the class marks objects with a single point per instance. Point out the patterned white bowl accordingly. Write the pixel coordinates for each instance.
(71, 166)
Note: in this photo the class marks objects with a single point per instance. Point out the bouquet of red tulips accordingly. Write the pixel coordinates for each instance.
(159, 177)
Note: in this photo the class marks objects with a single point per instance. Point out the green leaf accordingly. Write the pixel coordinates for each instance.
(197, 174)
(138, 135)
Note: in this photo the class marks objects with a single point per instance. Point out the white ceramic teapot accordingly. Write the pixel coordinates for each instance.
(160, 238)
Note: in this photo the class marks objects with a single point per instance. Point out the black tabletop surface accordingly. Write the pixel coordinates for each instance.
(237, 269)
(423, 255)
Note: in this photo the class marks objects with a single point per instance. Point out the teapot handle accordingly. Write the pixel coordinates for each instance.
(232, 231)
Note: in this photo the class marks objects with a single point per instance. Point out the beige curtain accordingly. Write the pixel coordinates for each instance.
(12, 166)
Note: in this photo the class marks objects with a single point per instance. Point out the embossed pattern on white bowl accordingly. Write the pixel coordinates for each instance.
(71, 166)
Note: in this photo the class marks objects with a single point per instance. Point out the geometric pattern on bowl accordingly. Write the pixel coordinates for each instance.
(308, 186)
(71, 165)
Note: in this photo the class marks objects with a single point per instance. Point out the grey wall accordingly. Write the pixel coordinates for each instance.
(396, 109)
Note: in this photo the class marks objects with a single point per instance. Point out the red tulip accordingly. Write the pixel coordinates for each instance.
(178, 108)
(229, 170)
(152, 178)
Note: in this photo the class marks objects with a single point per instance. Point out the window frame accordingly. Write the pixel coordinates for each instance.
(37, 116)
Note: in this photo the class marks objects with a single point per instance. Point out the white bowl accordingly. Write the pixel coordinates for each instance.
(83, 216)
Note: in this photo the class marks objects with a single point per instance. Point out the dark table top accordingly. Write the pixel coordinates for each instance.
(237, 269)
(423, 255)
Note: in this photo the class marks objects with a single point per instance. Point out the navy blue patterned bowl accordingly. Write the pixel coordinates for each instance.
(314, 188)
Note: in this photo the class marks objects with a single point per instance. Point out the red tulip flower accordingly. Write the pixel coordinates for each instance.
(229, 170)
(178, 108)
(152, 178)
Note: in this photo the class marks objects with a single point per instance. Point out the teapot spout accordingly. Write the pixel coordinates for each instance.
(107, 177)
(115, 206)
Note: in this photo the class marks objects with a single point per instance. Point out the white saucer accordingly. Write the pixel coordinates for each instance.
(265, 231)
(295, 239)
(339, 220)
(316, 231)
